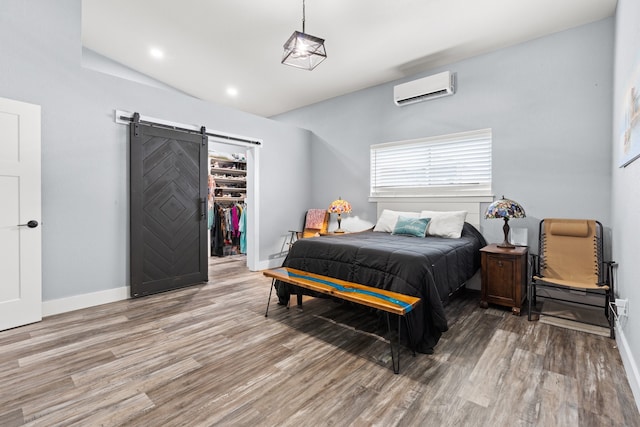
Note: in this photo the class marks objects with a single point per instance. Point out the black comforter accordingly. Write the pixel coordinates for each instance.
(430, 268)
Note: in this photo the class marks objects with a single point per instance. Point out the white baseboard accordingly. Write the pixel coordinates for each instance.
(76, 302)
(629, 363)
(271, 263)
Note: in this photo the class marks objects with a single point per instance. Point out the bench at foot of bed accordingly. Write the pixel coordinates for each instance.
(387, 301)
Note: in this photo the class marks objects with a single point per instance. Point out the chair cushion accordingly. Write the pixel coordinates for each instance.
(315, 219)
(567, 254)
(572, 229)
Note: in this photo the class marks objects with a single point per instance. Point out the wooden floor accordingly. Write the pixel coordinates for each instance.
(206, 355)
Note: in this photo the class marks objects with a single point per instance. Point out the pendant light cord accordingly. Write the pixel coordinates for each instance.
(303, 17)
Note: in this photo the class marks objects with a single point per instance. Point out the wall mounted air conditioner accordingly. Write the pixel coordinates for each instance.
(436, 86)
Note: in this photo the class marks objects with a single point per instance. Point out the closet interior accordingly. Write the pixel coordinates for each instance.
(227, 201)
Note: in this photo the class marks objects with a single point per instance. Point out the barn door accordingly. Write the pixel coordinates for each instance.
(168, 208)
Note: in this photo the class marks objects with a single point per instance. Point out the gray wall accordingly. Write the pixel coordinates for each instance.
(548, 102)
(85, 154)
(626, 189)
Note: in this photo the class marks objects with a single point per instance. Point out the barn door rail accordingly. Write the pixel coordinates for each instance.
(125, 117)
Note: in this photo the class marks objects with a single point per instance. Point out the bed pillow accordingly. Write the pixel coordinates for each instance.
(411, 226)
(445, 224)
(388, 218)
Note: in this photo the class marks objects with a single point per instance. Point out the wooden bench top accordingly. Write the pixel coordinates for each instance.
(380, 299)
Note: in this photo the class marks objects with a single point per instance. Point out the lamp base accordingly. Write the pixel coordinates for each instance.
(505, 229)
(339, 230)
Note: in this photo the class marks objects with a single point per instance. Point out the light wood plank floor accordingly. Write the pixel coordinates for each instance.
(206, 355)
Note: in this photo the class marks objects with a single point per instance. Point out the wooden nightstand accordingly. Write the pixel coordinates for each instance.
(504, 276)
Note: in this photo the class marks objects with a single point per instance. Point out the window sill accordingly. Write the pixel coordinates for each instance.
(475, 198)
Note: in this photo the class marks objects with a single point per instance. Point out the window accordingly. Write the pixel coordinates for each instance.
(448, 165)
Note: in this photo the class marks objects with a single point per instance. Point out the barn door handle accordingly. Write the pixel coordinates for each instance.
(203, 207)
(31, 224)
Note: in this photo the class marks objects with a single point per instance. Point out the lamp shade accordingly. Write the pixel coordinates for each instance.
(505, 209)
(339, 206)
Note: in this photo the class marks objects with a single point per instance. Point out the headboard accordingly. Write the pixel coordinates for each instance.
(438, 204)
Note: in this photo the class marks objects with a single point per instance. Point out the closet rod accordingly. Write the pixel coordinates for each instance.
(231, 138)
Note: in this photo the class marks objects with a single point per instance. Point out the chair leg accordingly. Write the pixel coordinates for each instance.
(529, 298)
(533, 295)
(610, 317)
(291, 238)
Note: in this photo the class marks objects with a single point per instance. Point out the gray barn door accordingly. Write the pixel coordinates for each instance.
(168, 209)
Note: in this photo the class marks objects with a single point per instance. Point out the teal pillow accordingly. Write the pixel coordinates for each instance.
(411, 226)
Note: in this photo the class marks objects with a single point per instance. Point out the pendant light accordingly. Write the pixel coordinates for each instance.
(304, 50)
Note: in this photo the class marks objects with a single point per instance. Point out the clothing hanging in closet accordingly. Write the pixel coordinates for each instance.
(227, 235)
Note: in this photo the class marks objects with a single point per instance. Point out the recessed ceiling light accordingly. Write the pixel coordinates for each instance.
(232, 91)
(156, 53)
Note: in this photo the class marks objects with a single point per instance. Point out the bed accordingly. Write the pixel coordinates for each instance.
(431, 268)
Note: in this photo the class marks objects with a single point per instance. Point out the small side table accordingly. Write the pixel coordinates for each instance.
(333, 233)
(504, 276)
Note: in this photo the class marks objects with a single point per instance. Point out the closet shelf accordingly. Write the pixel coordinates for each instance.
(233, 189)
(225, 160)
(228, 171)
(229, 179)
(223, 199)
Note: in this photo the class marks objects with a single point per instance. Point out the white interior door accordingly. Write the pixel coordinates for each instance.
(20, 235)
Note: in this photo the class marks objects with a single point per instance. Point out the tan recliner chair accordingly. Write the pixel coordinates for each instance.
(569, 267)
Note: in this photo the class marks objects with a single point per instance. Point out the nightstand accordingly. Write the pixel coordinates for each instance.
(504, 276)
(333, 233)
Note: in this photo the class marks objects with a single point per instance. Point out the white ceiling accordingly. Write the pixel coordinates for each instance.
(210, 45)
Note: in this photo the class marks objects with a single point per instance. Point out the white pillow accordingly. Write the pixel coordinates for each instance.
(388, 218)
(445, 224)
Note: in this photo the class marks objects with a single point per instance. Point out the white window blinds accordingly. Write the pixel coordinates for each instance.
(454, 164)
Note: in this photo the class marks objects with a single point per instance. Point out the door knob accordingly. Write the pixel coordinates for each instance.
(31, 224)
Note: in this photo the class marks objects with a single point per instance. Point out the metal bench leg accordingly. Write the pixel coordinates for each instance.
(394, 360)
(273, 282)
